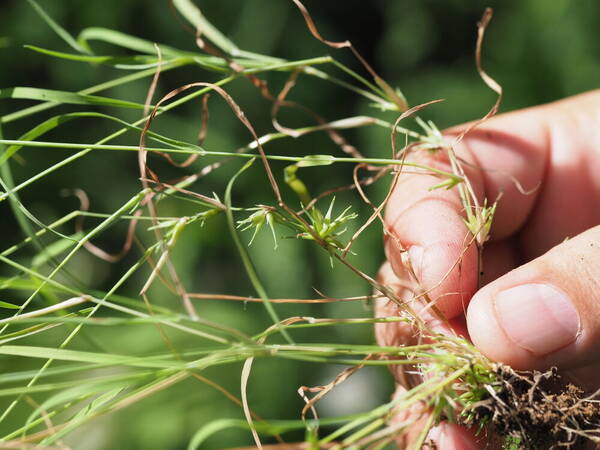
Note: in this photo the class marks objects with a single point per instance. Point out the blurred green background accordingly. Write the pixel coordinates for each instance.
(538, 50)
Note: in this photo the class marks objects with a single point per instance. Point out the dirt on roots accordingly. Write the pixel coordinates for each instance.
(539, 410)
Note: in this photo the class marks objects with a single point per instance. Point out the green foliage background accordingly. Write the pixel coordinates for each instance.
(538, 51)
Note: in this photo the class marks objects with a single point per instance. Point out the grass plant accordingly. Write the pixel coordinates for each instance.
(58, 388)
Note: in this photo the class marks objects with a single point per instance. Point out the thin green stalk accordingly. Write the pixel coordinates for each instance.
(60, 31)
(34, 274)
(114, 135)
(36, 422)
(22, 214)
(123, 209)
(119, 403)
(359, 78)
(418, 444)
(246, 260)
(362, 92)
(130, 204)
(25, 112)
(178, 326)
(116, 307)
(455, 179)
(338, 322)
(364, 431)
(174, 104)
(41, 232)
(403, 401)
(125, 217)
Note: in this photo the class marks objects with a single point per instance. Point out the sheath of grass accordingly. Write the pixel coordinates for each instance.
(59, 376)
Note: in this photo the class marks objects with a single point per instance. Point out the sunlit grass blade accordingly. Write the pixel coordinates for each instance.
(75, 385)
(125, 40)
(66, 161)
(114, 404)
(452, 177)
(89, 357)
(56, 121)
(134, 62)
(7, 305)
(51, 95)
(194, 16)
(26, 112)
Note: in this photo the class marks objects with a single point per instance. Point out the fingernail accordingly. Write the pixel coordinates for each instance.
(415, 256)
(537, 317)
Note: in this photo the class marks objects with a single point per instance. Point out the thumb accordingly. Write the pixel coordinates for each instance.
(545, 312)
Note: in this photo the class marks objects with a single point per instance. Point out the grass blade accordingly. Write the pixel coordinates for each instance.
(89, 357)
(50, 95)
(56, 121)
(194, 16)
(64, 34)
(26, 112)
(125, 40)
(134, 62)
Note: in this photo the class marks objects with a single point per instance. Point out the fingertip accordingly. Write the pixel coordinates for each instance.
(441, 253)
(446, 272)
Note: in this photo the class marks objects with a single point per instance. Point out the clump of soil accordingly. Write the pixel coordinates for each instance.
(539, 410)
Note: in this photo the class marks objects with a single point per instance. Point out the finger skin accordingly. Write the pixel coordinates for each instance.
(449, 436)
(571, 183)
(553, 151)
(445, 436)
(405, 333)
(527, 150)
(430, 225)
(572, 269)
(494, 161)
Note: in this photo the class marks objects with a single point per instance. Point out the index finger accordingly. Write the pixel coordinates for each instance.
(507, 154)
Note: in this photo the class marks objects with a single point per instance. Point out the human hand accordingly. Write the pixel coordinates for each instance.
(540, 301)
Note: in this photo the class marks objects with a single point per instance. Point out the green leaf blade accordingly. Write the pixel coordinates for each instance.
(51, 95)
